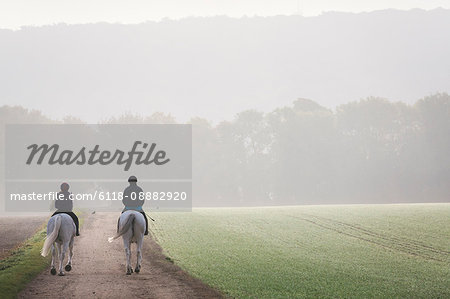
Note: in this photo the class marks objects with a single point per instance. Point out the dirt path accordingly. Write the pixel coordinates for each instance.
(99, 270)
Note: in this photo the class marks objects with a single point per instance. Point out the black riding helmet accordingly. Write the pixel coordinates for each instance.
(132, 179)
(65, 187)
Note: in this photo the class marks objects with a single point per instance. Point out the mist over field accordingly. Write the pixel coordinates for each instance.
(286, 110)
(370, 151)
(272, 156)
(216, 67)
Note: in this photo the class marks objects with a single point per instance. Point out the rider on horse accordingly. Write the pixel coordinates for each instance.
(133, 199)
(64, 204)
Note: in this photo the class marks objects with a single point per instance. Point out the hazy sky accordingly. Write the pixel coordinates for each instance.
(16, 13)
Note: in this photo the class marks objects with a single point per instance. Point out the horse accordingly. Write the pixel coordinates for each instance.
(60, 235)
(131, 227)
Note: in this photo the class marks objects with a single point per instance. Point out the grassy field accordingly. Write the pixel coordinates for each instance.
(352, 251)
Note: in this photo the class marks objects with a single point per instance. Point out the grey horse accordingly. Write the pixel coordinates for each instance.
(131, 228)
(60, 235)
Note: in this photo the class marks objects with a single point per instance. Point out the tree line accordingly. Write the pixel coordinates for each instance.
(369, 151)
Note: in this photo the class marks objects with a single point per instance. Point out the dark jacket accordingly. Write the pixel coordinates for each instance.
(133, 192)
(63, 203)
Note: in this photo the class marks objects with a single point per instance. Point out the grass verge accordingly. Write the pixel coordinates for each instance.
(22, 265)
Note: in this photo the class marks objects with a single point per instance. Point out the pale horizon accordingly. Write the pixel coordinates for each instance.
(26, 13)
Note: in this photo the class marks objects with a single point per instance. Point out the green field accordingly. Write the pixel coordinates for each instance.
(363, 251)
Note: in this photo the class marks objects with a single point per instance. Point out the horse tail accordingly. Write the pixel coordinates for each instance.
(128, 224)
(50, 239)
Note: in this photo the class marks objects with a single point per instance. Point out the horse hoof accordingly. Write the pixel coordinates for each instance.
(53, 271)
(128, 272)
(68, 267)
(61, 274)
(137, 270)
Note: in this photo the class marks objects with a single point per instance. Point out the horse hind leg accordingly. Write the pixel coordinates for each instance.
(54, 256)
(139, 255)
(127, 246)
(65, 246)
(58, 252)
(69, 261)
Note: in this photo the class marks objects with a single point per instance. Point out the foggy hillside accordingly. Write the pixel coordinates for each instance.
(216, 67)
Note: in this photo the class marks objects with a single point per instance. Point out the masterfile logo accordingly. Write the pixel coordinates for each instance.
(94, 156)
(98, 152)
